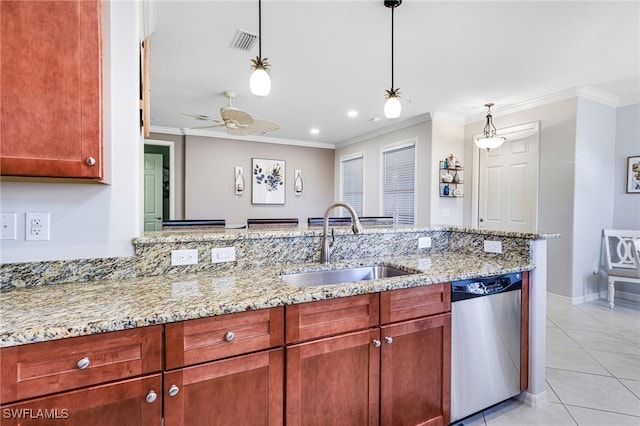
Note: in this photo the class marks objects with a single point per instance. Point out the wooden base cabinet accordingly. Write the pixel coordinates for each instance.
(128, 402)
(244, 390)
(415, 372)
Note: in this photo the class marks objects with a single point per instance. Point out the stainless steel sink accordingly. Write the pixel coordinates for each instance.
(336, 276)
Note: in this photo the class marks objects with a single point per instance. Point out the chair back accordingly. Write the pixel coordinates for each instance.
(621, 250)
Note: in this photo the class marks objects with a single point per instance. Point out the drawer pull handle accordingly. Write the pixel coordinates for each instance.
(90, 161)
(229, 336)
(151, 396)
(388, 340)
(173, 390)
(377, 343)
(83, 363)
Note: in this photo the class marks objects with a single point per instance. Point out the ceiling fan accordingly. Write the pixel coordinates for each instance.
(236, 121)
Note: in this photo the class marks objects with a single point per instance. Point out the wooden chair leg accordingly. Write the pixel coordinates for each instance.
(611, 290)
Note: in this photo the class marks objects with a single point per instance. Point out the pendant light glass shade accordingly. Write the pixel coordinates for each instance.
(393, 107)
(489, 139)
(260, 82)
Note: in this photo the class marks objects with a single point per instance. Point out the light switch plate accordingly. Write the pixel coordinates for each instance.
(8, 227)
(223, 254)
(493, 246)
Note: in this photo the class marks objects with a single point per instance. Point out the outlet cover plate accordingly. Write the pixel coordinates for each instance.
(184, 257)
(493, 246)
(223, 254)
(37, 226)
(424, 242)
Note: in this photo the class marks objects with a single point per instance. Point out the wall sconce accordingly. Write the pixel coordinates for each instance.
(298, 185)
(239, 181)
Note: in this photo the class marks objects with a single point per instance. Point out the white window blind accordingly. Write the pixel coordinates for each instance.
(398, 185)
(353, 183)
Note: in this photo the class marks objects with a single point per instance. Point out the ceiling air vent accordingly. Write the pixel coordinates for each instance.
(244, 40)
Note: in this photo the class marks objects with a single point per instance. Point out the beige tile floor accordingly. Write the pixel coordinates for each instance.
(593, 369)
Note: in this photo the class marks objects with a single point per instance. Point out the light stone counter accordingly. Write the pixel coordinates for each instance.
(52, 312)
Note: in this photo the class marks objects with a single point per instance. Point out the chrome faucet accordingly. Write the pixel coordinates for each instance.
(325, 254)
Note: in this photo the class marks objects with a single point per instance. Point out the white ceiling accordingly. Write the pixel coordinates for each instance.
(332, 56)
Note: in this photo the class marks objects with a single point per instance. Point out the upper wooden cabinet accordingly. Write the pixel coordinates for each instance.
(51, 89)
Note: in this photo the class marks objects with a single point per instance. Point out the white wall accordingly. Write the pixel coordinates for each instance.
(92, 220)
(421, 133)
(447, 139)
(626, 207)
(593, 192)
(556, 180)
(209, 180)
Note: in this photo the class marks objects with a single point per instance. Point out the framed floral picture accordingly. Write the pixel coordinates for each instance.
(267, 181)
(633, 174)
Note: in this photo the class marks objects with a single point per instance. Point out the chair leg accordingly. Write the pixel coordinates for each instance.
(611, 290)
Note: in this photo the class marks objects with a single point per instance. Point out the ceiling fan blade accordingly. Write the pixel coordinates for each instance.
(238, 115)
(263, 126)
(200, 117)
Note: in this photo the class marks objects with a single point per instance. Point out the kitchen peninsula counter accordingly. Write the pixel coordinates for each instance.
(51, 312)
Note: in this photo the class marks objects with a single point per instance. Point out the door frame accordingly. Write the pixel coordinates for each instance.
(172, 174)
(518, 131)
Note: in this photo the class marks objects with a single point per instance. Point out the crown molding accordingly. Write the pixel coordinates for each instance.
(257, 138)
(412, 121)
(599, 96)
(629, 101)
(166, 130)
(449, 118)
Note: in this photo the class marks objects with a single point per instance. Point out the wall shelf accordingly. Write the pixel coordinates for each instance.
(453, 188)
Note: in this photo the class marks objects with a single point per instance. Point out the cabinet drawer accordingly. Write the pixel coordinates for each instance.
(328, 317)
(195, 341)
(414, 302)
(47, 367)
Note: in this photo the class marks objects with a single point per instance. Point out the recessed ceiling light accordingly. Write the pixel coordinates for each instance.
(352, 113)
(314, 131)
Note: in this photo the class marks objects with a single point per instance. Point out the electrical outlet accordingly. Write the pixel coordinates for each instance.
(223, 254)
(8, 227)
(424, 242)
(37, 226)
(184, 257)
(493, 246)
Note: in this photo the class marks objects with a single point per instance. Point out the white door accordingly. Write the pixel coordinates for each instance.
(153, 192)
(508, 181)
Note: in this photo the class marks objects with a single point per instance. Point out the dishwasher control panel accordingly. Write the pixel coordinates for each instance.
(467, 289)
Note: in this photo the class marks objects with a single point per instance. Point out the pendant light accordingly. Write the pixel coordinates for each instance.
(392, 107)
(489, 138)
(260, 82)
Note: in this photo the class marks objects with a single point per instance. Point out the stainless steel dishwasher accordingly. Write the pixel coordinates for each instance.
(485, 342)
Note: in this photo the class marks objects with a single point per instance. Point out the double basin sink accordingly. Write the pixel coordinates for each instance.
(337, 276)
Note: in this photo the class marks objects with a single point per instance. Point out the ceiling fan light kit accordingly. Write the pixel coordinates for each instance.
(392, 107)
(489, 139)
(260, 81)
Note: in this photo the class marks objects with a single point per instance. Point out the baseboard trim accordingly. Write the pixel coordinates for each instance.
(538, 400)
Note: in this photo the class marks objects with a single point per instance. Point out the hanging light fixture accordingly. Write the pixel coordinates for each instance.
(392, 107)
(489, 138)
(260, 82)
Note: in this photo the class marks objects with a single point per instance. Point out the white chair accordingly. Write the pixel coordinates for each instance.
(622, 251)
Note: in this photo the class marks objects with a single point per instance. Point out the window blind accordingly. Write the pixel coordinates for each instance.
(353, 183)
(398, 186)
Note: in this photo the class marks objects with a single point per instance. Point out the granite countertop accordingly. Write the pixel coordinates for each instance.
(75, 309)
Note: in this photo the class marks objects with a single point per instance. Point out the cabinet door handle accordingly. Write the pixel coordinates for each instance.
(377, 343)
(173, 390)
(83, 363)
(388, 340)
(151, 396)
(90, 161)
(229, 336)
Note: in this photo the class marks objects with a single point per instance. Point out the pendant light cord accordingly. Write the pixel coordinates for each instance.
(392, 9)
(260, 28)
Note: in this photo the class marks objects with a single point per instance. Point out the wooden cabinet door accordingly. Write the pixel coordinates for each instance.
(51, 88)
(244, 390)
(115, 404)
(334, 381)
(416, 372)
